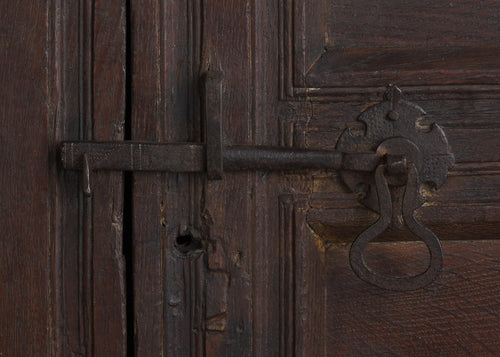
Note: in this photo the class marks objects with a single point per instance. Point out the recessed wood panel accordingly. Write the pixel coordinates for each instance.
(457, 315)
(328, 311)
(409, 23)
(337, 47)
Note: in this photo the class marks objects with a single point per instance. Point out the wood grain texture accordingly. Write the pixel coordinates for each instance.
(68, 272)
(167, 286)
(412, 66)
(465, 206)
(408, 24)
(266, 110)
(323, 300)
(227, 46)
(303, 319)
(147, 239)
(108, 118)
(455, 316)
(334, 48)
(271, 276)
(25, 246)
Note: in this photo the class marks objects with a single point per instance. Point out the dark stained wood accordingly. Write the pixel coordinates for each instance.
(227, 43)
(465, 206)
(409, 65)
(361, 45)
(337, 56)
(66, 52)
(255, 264)
(89, 87)
(455, 316)
(108, 119)
(166, 285)
(461, 22)
(265, 131)
(147, 245)
(26, 327)
(266, 274)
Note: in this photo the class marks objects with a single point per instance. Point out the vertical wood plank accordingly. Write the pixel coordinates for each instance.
(25, 305)
(147, 243)
(182, 276)
(165, 284)
(108, 93)
(67, 213)
(229, 204)
(266, 119)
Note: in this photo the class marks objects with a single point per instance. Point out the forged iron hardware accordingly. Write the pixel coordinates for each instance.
(211, 157)
(188, 157)
(408, 155)
(393, 152)
(411, 196)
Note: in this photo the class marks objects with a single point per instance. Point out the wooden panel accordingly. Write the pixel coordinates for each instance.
(68, 274)
(364, 23)
(25, 143)
(329, 47)
(463, 208)
(265, 131)
(108, 114)
(147, 244)
(303, 320)
(413, 66)
(457, 315)
(167, 286)
(328, 311)
(449, 222)
(89, 95)
(228, 44)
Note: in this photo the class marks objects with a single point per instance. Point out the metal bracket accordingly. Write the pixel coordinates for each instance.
(393, 151)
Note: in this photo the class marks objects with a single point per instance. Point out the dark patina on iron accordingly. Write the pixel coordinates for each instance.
(407, 157)
(393, 151)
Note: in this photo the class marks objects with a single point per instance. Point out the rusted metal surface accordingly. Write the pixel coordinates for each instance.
(275, 158)
(410, 203)
(398, 134)
(212, 111)
(133, 156)
(187, 157)
(400, 154)
(408, 156)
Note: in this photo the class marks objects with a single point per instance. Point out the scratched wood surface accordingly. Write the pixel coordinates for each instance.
(107, 324)
(255, 264)
(267, 282)
(63, 78)
(164, 285)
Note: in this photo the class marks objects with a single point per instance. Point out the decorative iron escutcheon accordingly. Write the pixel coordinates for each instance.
(394, 152)
(408, 155)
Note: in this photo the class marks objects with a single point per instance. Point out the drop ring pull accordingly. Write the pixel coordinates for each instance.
(410, 203)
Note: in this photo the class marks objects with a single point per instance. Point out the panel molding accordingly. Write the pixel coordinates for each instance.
(306, 66)
(302, 261)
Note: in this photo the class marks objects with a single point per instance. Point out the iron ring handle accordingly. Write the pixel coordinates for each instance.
(356, 258)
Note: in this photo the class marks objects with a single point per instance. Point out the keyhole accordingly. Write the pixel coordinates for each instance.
(187, 244)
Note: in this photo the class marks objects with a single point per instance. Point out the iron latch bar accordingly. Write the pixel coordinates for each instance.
(188, 157)
(393, 152)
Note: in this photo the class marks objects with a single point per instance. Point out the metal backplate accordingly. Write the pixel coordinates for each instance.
(392, 127)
